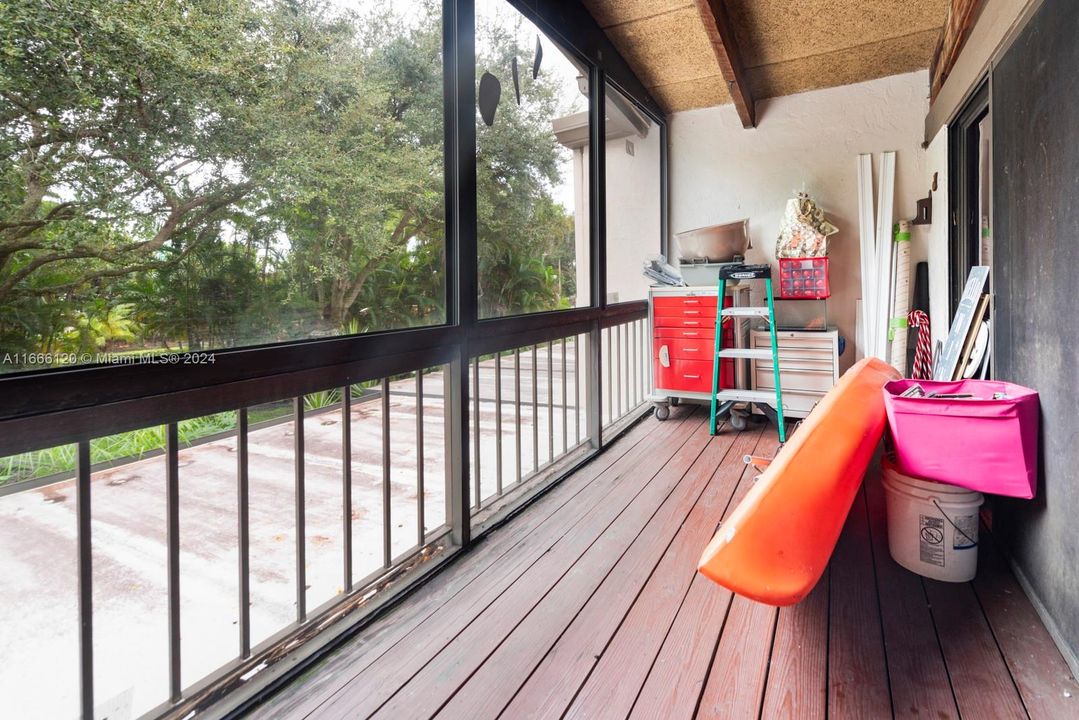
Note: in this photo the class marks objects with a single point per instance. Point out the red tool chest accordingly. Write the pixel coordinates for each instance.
(683, 340)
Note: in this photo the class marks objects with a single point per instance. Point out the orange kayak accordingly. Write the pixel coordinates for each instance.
(777, 542)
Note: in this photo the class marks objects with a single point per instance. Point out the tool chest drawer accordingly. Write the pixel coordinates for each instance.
(798, 340)
(817, 381)
(684, 307)
(691, 333)
(669, 356)
(687, 375)
(808, 366)
(689, 312)
(816, 350)
(797, 404)
(671, 304)
(677, 321)
(684, 349)
(798, 363)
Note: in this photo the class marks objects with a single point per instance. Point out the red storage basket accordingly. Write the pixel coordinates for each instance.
(803, 278)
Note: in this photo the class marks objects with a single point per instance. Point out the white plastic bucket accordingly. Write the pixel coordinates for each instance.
(932, 527)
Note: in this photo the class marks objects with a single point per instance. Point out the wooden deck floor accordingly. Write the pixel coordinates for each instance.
(587, 606)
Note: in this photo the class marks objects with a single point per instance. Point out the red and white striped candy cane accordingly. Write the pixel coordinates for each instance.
(923, 352)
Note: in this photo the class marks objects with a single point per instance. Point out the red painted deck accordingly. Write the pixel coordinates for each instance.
(587, 605)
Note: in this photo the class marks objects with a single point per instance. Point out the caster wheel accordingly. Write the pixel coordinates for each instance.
(662, 412)
(674, 402)
(738, 421)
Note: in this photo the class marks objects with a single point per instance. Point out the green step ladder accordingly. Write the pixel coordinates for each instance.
(723, 400)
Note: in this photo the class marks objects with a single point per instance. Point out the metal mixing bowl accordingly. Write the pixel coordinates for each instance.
(716, 243)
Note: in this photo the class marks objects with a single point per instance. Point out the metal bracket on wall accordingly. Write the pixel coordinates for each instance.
(925, 211)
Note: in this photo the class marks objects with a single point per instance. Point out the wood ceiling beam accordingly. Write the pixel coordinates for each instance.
(957, 26)
(717, 23)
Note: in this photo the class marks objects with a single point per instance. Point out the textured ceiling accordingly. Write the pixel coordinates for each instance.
(786, 47)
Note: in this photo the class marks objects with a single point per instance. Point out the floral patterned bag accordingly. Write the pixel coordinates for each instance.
(805, 230)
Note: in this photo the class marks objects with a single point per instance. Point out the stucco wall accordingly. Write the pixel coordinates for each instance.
(721, 172)
(633, 213)
(633, 216)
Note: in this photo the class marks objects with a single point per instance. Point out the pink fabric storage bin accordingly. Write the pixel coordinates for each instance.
(978, 443)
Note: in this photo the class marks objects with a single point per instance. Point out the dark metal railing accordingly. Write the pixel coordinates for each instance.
(627, 376)
(551, 429)
(529, 425)
(77, 406)
(533, 424)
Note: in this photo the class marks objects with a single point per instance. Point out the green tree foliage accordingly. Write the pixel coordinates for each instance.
(127, 125)
(360, 173)
(213, 173)
(518, 160)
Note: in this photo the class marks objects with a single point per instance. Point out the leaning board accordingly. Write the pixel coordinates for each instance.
(944, 369)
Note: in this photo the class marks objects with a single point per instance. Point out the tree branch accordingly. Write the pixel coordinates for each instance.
(24, 105)
(154, 181)
(42, 260)
(360, 281)
(172, 222)
(63, 137)
(210, 203)
(114, 272)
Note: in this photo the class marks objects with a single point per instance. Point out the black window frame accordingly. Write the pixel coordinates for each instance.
(964, 225)
(107, 389)
(44, 408)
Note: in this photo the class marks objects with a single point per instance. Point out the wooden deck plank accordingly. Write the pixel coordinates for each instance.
(586, 634)
(797, 684)
(605, 568)
(676, 679)
(736, 680)
(918, 678)
(552, 514)
(735, 685)
(366, 692)
(557, 506)
(571, 571)
(614, 684)
(980, 679)
(857, 669)
(1045, 683)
